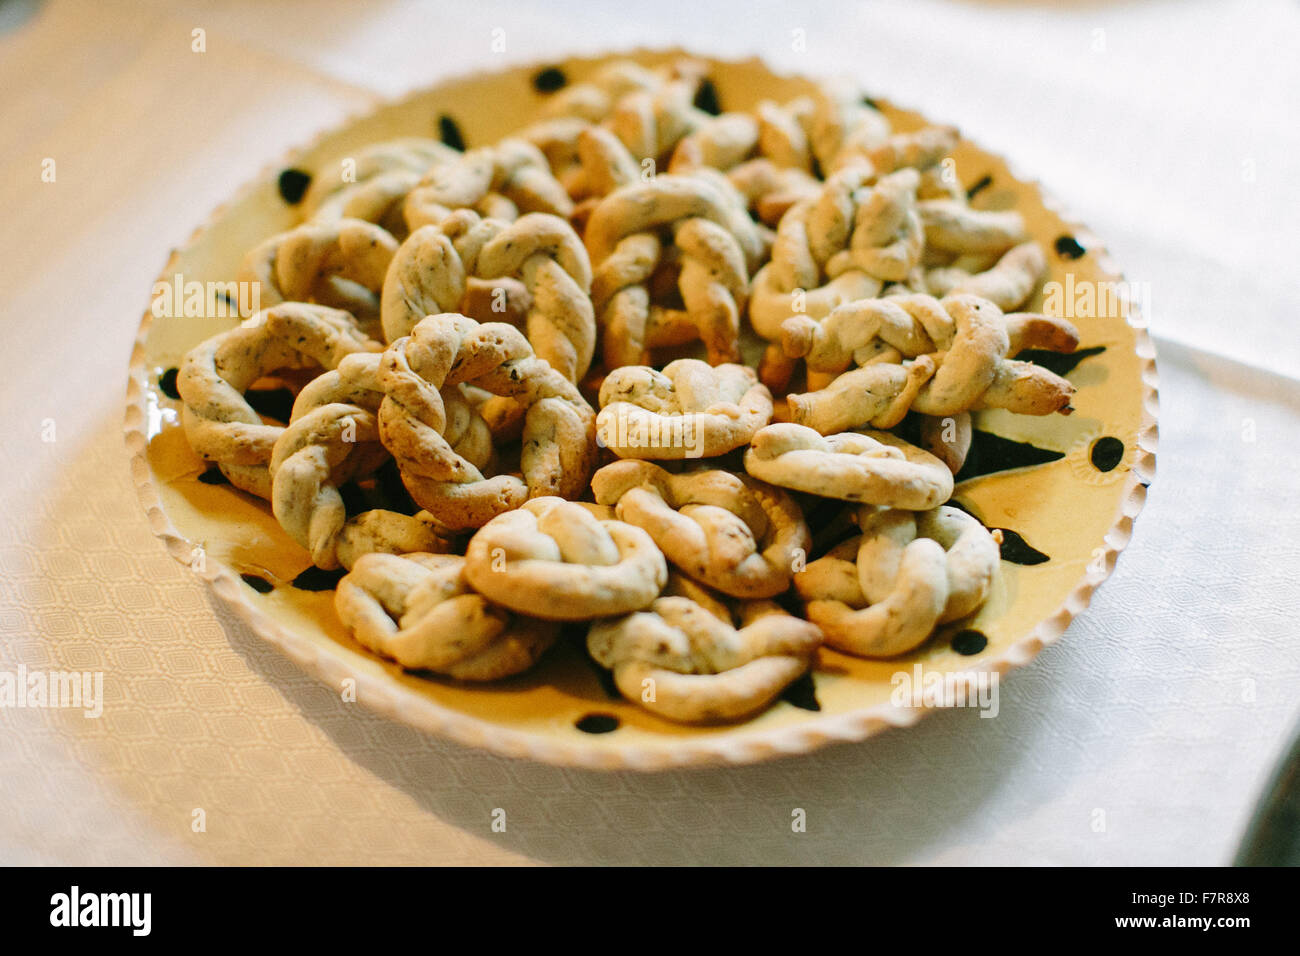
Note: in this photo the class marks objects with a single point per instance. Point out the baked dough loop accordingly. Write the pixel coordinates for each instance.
(841, 246)
(870, 467)
(537, 259)
(556, 560)
(544, 253)
(730, 532)
(689, 410)
(373, 184)
(967, 337)
(419, 373)
(1008, 284)
(419, 610)
(882, 593)
(501, 182)
(953, 226)
(716, 244)
(332, 438)
(693, 657)
(340, 263)
(219, 423)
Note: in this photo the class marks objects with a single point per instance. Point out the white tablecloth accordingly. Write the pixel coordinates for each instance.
(1169, 127)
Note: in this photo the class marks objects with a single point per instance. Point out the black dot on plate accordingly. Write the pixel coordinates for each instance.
(214, 476)
(802, 693)
(1017, 550)
(597, 723)
(258, 583)
(977, 187)
(706, 98)
(167, 383)
(293, 185)
(1106, 453)
(276, 403)
(868, 101)
(549, 80)
(969, 642)
(315, 579)
(449, 133)
(1062, 363)
(1068, 247)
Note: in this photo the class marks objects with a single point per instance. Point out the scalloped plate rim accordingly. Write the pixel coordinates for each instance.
(728, 747)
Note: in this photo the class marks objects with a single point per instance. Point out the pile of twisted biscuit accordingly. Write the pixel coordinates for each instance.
(464, 314)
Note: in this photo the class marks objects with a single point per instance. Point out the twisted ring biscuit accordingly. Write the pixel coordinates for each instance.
(717, 241)
(689, 410)
(219, 423)
(558, 438)
(728, 531)
(882, 594)
(555, 560)
(694, 658)
(870, 467)
(500, 181)
(953, 226)
(1008, 284)
(546, 254)
(967, 337)
(419, 610)
(332, 438)
(340, 263)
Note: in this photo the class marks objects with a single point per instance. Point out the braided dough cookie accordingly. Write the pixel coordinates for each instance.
(554, 559)
(953, 226)
(733, 533)
(967, 337)
(717, 243)
(417, 371)
(419, 610)
(1008, 284)
(340, 263)
(219, 423)
(695, 658)
(870, 467)
(374, 184)
(689, 410)
(501, 181)
(332, 438)
(883, 593)
(435, 269)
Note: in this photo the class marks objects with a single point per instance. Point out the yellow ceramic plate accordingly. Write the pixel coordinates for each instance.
(1073, 513)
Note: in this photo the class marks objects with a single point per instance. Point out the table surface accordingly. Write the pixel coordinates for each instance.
(1145, 736)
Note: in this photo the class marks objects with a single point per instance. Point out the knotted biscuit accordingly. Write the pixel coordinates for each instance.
(332, 438)
(558, 438)
(555, 560)
(419, 610)
(219, 423)
(953, 226)
(340, 263)
(731, 532)
(375, 185)
(717, 242)
(700, 659)
(501, 181)
(883, 593)
(689, 410)
(546, 254)
(967, 337)
(1008, 284)
(870, 467)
